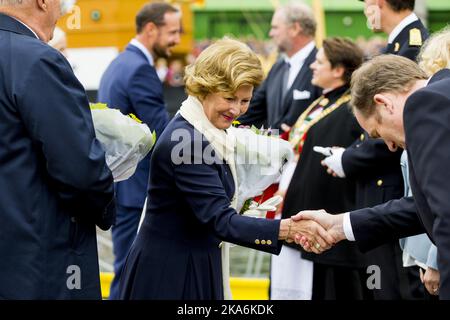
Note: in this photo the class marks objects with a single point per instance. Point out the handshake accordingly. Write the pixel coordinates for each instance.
(315, 230)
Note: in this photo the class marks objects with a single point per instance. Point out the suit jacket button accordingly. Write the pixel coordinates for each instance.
(380, 183)
(269, 242)
(257, 241)
(263, 241)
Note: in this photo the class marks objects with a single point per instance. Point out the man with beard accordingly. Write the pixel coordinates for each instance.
(131, 84)
(287, 91)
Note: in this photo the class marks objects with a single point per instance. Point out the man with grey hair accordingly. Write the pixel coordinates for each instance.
(287, 90)
(55, 186)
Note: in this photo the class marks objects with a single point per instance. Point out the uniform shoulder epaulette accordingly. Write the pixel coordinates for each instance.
(415, 37)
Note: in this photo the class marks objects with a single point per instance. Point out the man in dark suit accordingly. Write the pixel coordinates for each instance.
(393, 100)
(376, 170)
(55, 186)
(287, 90)
(131, 84)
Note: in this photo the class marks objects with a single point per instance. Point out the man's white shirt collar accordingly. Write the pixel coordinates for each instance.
(406, 21)
(301, 55)
(27, 27)
(144, 50)
(297, 60)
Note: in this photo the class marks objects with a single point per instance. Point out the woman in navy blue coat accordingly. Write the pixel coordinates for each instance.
(191, 195)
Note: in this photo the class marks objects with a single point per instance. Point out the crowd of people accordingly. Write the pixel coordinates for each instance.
(368, 132)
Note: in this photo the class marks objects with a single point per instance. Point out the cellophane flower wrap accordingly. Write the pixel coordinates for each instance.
(125, 139)
(260, 159)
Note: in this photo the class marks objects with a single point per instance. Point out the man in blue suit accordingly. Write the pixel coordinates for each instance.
(55, 186)
(131, 84)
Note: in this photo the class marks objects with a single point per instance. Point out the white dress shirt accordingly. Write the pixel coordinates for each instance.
(406, 21)
(348, 230)
(297, 61)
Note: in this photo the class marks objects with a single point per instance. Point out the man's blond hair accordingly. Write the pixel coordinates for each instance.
(382, 74)
(224, 66)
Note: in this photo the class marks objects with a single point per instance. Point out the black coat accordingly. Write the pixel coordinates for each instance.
(266, 107)
(312, 187)
(54, 182)
(426, 120)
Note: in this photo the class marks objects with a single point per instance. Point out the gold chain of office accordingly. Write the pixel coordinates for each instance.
(297, 138)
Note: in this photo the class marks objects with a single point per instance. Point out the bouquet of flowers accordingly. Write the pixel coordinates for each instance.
(260, 159)
(125, 139)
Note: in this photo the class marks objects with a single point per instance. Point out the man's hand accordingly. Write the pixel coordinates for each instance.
(431, 280)
(315, 234)
(333, 224)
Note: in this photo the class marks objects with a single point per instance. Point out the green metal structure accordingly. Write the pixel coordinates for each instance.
(251, 18)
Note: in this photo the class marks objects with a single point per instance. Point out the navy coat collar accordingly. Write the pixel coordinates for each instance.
(135, 49)
(12, 25)
(440, 75)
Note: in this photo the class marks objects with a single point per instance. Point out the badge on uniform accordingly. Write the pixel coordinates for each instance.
(415, 37)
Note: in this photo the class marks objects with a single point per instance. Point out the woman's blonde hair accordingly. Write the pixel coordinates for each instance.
(435, 53)
(224, 66)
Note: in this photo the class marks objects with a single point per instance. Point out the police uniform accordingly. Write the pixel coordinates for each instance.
(409, 41)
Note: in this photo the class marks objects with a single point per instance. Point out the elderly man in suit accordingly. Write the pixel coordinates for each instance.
(287, 90)
(131, 84)
(55, 186)
(393, 100)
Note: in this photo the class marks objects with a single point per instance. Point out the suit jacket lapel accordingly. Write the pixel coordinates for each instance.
(274, 94)
(135, 49)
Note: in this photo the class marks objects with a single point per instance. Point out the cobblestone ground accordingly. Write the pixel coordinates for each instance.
(239, 258)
